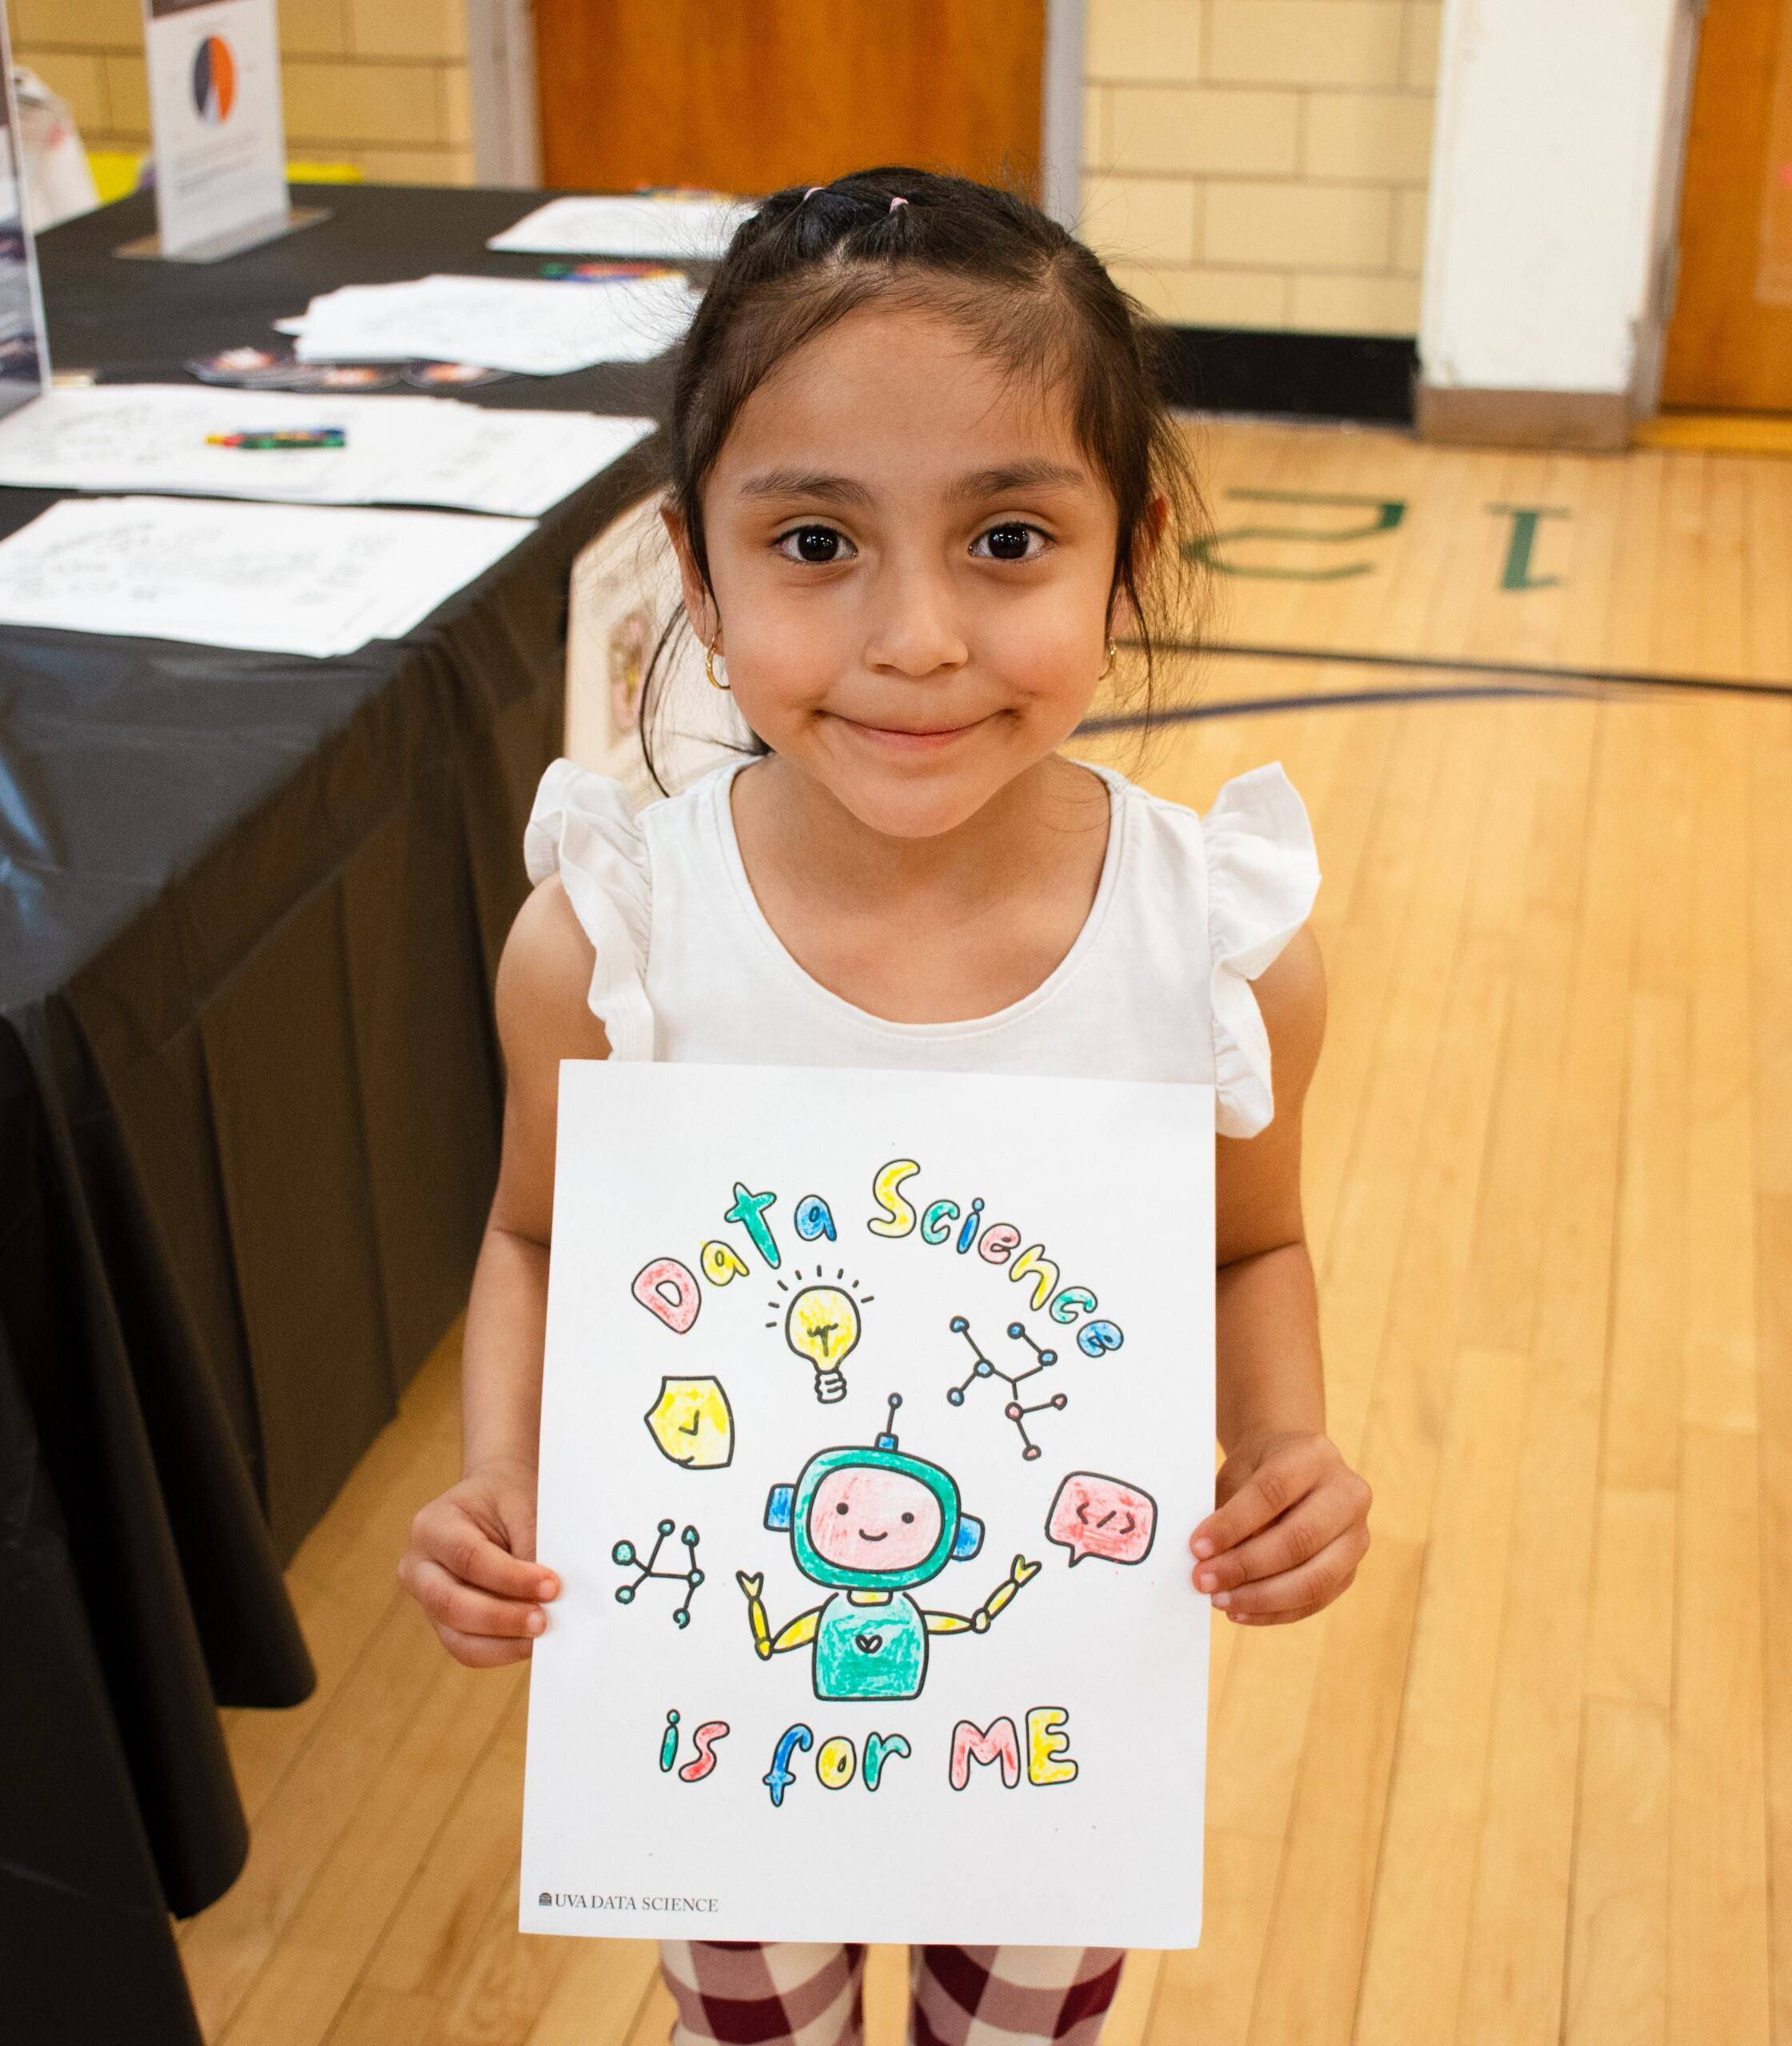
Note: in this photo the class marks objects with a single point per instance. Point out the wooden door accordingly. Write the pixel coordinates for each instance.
(1730, 342)
(745, 97)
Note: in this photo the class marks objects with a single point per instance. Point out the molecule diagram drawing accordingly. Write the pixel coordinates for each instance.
(625, 1554)
(1015, 1410)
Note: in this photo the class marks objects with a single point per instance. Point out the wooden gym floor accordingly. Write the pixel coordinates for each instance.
(1530, 1779)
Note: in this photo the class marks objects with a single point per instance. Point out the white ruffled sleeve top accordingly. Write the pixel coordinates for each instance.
(1189, 909)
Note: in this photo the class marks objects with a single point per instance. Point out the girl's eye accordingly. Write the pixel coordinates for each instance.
(815, 544)
(1010, 540)
(820, 546)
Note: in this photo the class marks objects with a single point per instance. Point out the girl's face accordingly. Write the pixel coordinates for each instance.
(912, 559)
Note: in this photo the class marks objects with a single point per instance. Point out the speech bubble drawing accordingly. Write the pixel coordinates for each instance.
(1093, 1515)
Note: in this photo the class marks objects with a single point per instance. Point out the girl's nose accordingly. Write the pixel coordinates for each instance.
(914, 629)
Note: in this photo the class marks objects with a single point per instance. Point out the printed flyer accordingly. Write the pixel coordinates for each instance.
(877, 1410)
(215, 114)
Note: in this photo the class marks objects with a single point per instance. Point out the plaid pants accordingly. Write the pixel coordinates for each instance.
(741, 1993)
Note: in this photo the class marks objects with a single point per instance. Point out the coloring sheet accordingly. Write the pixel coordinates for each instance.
(697, 226)
(280, 579)
(398, 449)
(525, 324)
(877, 1413)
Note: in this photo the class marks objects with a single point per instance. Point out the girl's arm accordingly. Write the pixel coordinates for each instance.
(471, 1562)
(1291, 1523)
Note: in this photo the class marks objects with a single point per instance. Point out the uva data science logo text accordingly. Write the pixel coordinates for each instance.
(578, 1900)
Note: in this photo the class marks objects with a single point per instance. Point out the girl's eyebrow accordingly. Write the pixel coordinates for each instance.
(1035, 474)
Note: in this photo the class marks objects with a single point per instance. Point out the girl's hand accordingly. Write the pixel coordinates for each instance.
(1291, 1527)
(471, 1565)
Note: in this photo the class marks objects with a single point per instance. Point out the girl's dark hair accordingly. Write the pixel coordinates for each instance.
(1025, 290)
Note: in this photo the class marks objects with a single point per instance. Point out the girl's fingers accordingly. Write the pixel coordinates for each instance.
(1294, 1539)
(1298, 1613)
(450, 1603)
(1270, 1490)
(452, 1538)
(482, 1651)
(1316, 1582)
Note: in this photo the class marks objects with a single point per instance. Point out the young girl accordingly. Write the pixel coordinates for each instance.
(919, 472)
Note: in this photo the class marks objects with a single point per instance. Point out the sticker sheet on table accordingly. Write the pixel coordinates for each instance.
(877, 1410)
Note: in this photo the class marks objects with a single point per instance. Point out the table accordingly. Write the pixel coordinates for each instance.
(251, 907)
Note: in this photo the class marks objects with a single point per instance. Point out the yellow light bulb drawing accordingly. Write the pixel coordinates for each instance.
(823, 1325)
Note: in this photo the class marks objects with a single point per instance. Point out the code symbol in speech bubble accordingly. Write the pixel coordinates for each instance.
(1097, 1516)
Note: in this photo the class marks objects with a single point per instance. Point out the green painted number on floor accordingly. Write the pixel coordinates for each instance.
(1388, 512)
(1519, 546)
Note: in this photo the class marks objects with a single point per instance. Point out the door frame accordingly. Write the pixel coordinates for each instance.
(1061, 114)
(501, 84)
(507, 113)
(1651, 338)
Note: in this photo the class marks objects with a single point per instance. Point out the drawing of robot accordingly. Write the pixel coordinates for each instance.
(869, 1524)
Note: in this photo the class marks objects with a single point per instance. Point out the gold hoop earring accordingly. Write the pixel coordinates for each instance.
(709, 666)
(1107, 667)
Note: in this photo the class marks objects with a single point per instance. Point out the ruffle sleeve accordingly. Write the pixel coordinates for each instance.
(1262, 875)
(582, 826)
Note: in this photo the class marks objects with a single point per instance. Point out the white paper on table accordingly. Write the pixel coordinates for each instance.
(532, 326)
(645, 1428)
(401, 450)
(697, 228)
(287, 578)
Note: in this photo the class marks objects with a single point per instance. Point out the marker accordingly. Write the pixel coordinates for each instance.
(286, 437)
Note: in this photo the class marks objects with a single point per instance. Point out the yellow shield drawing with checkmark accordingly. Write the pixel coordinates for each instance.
(692, 1425)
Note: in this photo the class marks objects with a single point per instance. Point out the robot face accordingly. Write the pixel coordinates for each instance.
(862, 1517)
(879, 1487)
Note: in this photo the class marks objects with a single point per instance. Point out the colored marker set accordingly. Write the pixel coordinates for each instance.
(284, 436)
(607, 272)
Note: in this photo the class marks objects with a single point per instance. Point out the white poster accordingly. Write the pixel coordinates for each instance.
(877, 1413)
(215, 113)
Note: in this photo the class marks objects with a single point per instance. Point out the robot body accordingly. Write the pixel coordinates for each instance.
(869, 1524)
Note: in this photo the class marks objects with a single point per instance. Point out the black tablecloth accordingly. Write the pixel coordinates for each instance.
(250, 909)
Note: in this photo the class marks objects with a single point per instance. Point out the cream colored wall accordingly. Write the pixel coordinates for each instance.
(380, 84)
(1262, 163)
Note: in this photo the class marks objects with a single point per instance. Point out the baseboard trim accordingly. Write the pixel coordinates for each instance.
(1260, 370)
(1593, 421)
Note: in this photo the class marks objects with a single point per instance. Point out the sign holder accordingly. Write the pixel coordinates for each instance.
(220, 138)
(148, 247)
(24, 342)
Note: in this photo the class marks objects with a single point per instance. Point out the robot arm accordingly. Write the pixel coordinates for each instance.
(1019, 1572)
(801, 1629)
(979, 1621)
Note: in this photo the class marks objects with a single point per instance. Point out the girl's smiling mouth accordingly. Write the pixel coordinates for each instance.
(903, 739)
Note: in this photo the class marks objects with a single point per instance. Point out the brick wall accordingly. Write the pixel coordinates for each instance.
(1262, 163)
(381, 84)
